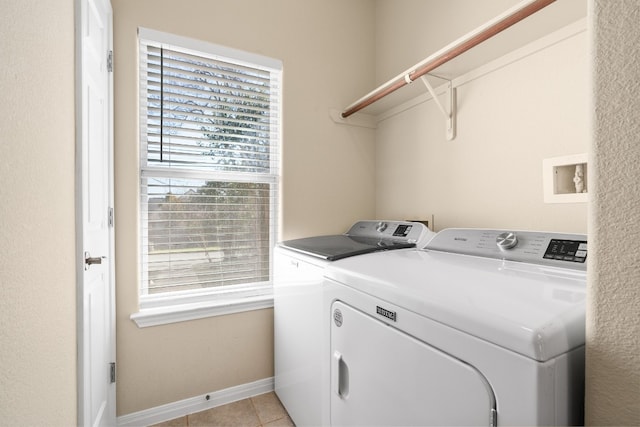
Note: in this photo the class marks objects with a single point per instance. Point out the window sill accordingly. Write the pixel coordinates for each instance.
(199, 310)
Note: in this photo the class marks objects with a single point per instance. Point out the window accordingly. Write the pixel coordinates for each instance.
(209, 167)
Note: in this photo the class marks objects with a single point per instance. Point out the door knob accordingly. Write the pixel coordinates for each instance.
(89, 260)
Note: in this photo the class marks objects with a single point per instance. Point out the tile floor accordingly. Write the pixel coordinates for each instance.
(262, 410)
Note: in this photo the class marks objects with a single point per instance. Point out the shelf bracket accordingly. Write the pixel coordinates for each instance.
(450, 113)
(360, 120)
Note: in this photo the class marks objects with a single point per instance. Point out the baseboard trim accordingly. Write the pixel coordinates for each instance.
(196, 404)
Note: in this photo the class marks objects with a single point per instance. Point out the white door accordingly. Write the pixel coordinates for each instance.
(96, 293)
(381, 376)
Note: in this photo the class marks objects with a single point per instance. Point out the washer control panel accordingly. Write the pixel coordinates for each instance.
(546, 248)
(404, 231)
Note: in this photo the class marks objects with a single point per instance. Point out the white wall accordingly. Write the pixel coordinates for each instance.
(37, 214)
(508, 121)
(613, 319)
(328, 174)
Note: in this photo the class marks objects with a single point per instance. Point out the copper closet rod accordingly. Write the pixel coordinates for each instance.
(463, 46)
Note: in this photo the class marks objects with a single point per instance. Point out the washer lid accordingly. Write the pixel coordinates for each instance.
(363, 237)
(336, 247)
(537, 311)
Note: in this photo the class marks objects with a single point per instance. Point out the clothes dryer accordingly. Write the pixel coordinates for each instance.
(483, 327)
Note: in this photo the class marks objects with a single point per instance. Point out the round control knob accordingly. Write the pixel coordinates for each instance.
(381, 226)
(506, 241)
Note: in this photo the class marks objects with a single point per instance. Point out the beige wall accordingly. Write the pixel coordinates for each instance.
(613, 318)
(409, 30)
(37, 217)
(508, 121)
(490, 175)
(328, 174)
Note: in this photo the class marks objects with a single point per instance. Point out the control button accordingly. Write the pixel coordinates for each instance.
(582, 247)
(381, 226)
(506, 241)
(581, 254)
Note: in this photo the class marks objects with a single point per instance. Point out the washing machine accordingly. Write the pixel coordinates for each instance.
(482, 327)
(298, 322)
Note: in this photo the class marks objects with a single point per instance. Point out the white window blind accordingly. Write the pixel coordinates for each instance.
(209, 167)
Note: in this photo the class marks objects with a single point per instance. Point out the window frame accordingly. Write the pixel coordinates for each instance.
(182, 305)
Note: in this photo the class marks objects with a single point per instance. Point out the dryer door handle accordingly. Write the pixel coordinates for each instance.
(340, 375)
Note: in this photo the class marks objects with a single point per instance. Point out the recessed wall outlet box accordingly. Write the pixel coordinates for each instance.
(565, 179)
(426, 222)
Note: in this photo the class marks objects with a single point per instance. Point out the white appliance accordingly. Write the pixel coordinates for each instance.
(298, 319)
(483, 327)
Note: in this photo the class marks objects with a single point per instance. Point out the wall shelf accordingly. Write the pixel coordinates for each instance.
(524, 23)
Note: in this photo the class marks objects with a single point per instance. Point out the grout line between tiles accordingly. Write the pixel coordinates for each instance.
(255, 411)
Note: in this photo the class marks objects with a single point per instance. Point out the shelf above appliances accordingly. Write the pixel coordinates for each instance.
(520, 25)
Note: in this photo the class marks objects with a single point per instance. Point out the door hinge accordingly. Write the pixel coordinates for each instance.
(110, 61)
(113, 372)
(110, 217)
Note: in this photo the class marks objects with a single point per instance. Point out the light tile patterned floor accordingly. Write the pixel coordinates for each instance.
(263, 410)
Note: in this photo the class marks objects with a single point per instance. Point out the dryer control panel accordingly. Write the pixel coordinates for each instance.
(546, 248)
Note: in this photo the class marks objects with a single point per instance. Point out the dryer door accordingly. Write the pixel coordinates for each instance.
(381, 376)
